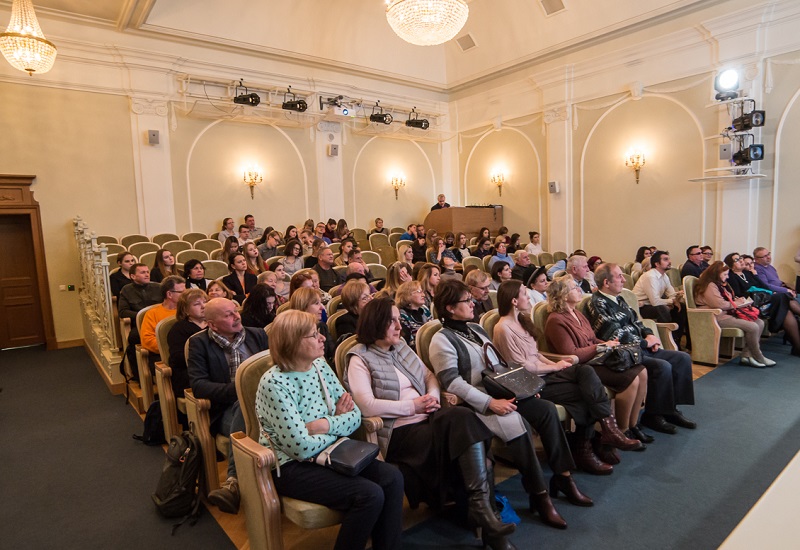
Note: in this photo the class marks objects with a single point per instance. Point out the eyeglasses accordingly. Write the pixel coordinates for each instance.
(487, 287)
(316, 334)
(767, 255)
(464, 301)
(737, 259)
(695, 254)
(417, 291)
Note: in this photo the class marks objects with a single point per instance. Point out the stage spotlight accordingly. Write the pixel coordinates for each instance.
(380, 117)
(245, 98)
(748, 121)
(749, 154)
(415, 122)
(726, 83)
(293, 104)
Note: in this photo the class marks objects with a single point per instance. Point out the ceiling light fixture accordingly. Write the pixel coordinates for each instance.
(293, 104)
(415, 122)
(23, 44)
(246, 98)
(426, 22)
(380, 117)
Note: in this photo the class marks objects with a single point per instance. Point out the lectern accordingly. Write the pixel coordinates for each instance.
(468, 220)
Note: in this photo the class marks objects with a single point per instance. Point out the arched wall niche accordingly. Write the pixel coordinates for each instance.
(664, 209)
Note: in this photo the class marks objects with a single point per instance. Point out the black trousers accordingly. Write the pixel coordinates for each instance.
(372, 502)
(669, 380)
(542, 415)
(580, 391)
(130, 352)
(665, 314)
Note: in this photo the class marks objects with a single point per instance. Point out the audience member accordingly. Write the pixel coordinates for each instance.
(328, 278)
(280, 286)
(343, 258)
(171, 289)
(239, 281)
(440, 203)
(244, 235)
(307, 239)
(500, 255)
(191, 319)
(708, 255)
(578, 268)
(768, 274)
(429, 277)
(355, 295)
(419, 249)
(308, 299)
(658, 300)
(259, 309)
(316, 247)
(320, 231)
(460, 248)
(122, 276)
(405, 254)
(410, 234)
(134, 297)
(484, 248)
(293, 260)
(330, 231)
(523, 268)
(291, 234)
(379, 228)
(694, 265)
(500, 272)
(194, 272)
(535, 246)
(537, 285)
(270, 246)
(217, 289)
(227, 230)
(163, 266)
(479, 284)
(513, 243)
(229, 247)
(214, 356)
(255, 231)
(410, 299)
(669, 373)
(397, 274)
(641, 254)
(448, 269)
(298, 422)
(255, 264)
(342, 231)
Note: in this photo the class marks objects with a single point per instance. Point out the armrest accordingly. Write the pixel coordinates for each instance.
(145, 376)
(263, 456)
(197, 410)
(665, 334)
(166, 398)
(573, 359)
(372, 424)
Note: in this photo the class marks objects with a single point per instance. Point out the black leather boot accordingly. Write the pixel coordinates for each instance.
(472, 464)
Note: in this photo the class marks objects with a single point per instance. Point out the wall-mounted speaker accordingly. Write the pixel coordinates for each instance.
(553, 187)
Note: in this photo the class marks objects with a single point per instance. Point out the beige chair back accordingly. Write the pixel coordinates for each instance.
(472, 260)
(489, 320)
(558, 256)
(628, 281)
(139, 248)
(400, 243)
(423, 342)
(148, 259)
(539, 314)
(394, 238)
(341, 271)
(274, 260)
(387, 253)
(248, 376)
(674, 275)
(370, 257)
(359, 234)
(162, 330)
(128, 240)
(214, 235)
(333, 305)
(332, 323)
(364, 245)
(207, 245)
(546, 258)
(162, 238)
(377, 240)
(177, 246)
(335, 247)
(493, 298)
(193, 237)
(689, 283)
(185, 255)
(215, 269)
(399, 230)
(340, 359)
(378, 271)
(627, 268)
(107, 239)
(114, 248)
(635, 277)
(583, 306)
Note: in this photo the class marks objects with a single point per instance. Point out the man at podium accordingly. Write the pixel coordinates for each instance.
(440, 204)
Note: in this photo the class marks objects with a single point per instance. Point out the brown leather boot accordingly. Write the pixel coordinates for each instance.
(544, 506)
(586, 460)
(611, 435)
(566, 485)
(606, 453)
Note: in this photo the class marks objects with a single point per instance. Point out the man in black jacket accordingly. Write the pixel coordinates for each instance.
(214, 356)
(133, 298)
(669, 373)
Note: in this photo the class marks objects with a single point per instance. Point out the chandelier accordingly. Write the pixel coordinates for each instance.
(23, 44)
(426, 22)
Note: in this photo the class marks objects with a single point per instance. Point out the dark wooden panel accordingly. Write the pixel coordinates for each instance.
(20, 309)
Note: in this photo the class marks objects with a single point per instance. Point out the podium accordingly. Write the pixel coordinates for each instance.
(468, 220)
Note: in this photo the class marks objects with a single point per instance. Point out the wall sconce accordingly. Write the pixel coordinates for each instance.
(635, 160)
(499, 178)
(252, 177)
(397, 182)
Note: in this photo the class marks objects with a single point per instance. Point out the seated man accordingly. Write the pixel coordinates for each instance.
(255, 231)
(319, 233)
(269, 248)
(523, 269)
(214, 356)
(133, 298)
(578, 268)
(768, 274)
(328, 278)
(244, 235)
(708, 255)
(440, 203)
(171, 289)
(447, 267)
(410, 234)
(479, 284)
(355, 270)
(658, 300)
(307, 239)
(357, 257)
(669, 373)
(694, 262)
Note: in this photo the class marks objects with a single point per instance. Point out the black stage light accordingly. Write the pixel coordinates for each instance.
(747, 155)
(298, 105)
(748, 121)
(384, 118)
(415, 122)
(252, 99)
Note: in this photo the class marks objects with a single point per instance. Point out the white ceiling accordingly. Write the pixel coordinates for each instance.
(354, 33)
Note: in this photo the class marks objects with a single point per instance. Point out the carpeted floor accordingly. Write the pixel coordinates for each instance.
(685, 491)
(72, 476)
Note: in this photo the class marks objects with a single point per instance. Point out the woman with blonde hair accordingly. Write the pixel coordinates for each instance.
(397, 274)
(298, 422)
(410, 299)
(191, 319)
(217, 289)
(355, 295)
(429, 276)
(307, 299)
(255, 264)
(405, 254)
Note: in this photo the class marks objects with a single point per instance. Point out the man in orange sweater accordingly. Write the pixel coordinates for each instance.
(171, 289)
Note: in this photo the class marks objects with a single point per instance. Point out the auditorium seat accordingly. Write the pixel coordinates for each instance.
(378, 271)
(193, 237)
(107, 239)
(370, 257)
(169, 403)
(215, 269)
(186, 255)
(128, 240)
(207, 245)
(163, 238)
(113, 248)
(176, 246)
(137, 249)
(142, 357)
(709, 340)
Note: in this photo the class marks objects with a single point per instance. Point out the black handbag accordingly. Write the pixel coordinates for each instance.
(619, 358)
(346, 456)
(504, 382)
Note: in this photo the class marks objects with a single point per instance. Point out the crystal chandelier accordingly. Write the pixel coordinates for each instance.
(426, 22)
(23, 44)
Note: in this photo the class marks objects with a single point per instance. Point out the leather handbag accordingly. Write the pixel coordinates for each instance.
(346, 456)
(619, 358)
(504, 382)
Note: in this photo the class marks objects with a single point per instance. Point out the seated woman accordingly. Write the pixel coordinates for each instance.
(316, 246)
(355, 295)
(405, 254)
(297, 423)
(290, 234)
(569, 332)
(501, 254)
(346, 248)
(258, 310)
(426, 442)
(593, 263)
(513, 244)
(397, 274)
(307, 299)
(191, 315)
(745, 282)
(229, 247)
(484, 234)
(419, 249)
(484, 248)
(293, 262)
(255, 264)
(239, 281)
(281, 286)
(500, 271)
(713, 291)
(439, 250)
(535, 246)
(461, 248)
(122, 276)
(342, 231)
(641, 254)
(379, 228)
(575, 387)
(456, 353)
(429, 276)
(217, 289)
(163, 267)
(195, 274)
(410, 299)
(537, 286)
(227, 231)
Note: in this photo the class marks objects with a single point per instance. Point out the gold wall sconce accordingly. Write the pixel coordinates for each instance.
(397, 182)
(252, 177)
(498, 179)
(635, 159)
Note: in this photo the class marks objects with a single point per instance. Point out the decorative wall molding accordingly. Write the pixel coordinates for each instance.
(560, 114)
(141, 106)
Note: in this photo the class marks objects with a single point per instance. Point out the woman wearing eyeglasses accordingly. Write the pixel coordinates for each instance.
(410, 298)
(355, 295)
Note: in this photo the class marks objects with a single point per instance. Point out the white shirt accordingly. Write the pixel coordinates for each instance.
(536, 296)
(653, 288)
(534, 248)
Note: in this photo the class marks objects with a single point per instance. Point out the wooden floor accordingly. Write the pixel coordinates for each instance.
(296, 538)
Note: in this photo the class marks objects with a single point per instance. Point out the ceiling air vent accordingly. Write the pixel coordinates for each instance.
(466, 42)
(552, 7)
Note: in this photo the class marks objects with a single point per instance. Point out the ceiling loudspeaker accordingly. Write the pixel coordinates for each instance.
(552, 6)
(466, 42)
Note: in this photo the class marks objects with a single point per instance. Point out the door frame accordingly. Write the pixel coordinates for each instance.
(16, 198)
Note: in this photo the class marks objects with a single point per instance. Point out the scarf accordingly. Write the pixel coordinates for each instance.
(197, 283)
(462, 329)
(231, 349)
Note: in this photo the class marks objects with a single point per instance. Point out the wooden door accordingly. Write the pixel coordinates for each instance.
(20, 308)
